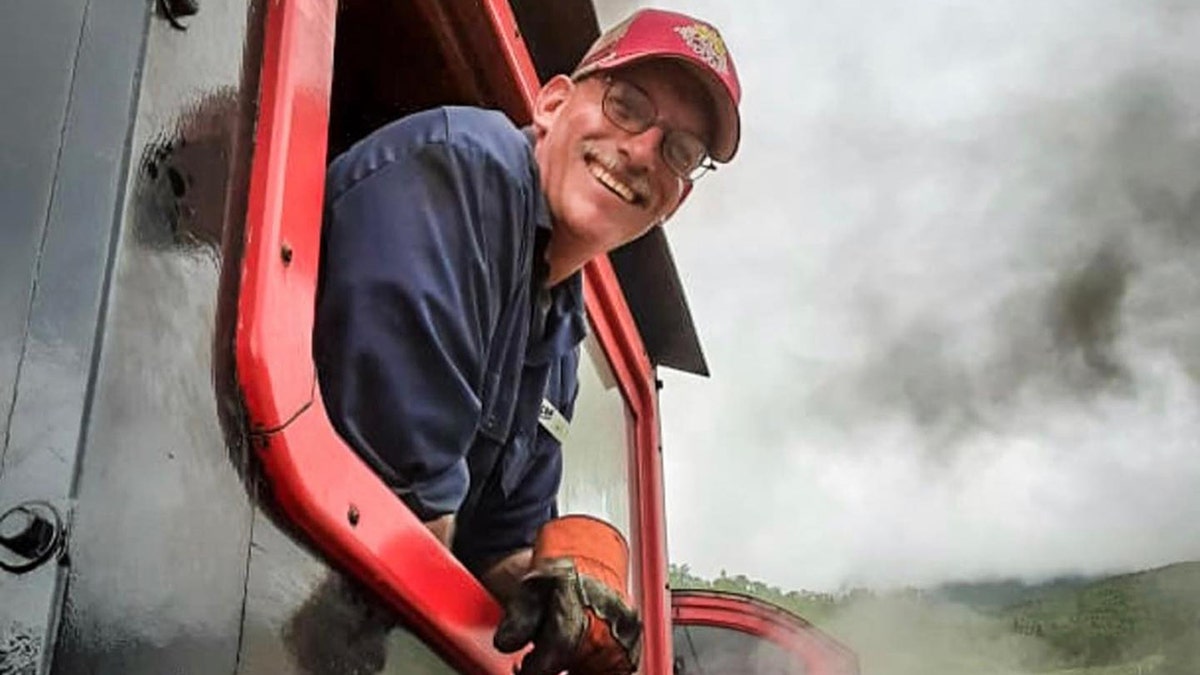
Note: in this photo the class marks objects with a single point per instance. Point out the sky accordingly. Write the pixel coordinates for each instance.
(949, 292)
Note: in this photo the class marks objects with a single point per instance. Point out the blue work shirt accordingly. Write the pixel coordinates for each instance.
(435, 339)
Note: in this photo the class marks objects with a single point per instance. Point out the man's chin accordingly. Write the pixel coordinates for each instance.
(598, 234)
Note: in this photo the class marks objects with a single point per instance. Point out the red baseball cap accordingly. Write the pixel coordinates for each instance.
(659, 34)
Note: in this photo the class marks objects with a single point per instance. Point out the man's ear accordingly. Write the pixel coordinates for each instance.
(549, 102)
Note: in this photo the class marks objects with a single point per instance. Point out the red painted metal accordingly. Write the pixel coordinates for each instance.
(518, 64)
(315, 478)
(616, 331)
(820, 653)
(286, 186)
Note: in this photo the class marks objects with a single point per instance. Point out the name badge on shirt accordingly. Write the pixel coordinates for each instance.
(553, 421)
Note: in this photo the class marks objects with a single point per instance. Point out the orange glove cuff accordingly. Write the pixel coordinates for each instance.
(600, 653)
(597, 548)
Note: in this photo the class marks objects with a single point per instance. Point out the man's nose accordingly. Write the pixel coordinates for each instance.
(643, 148)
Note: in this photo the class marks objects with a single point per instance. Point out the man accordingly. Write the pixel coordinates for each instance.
(450, 305)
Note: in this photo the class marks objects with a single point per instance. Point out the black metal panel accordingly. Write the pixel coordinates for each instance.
(69, 76)
(160, 538)
(556, 32)
(656, 299)
(38, 45)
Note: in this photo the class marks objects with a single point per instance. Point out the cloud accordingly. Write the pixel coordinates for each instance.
(949, 294)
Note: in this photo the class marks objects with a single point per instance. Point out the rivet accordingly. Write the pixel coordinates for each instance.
(352, 515)
(285, 252)
(30, 534)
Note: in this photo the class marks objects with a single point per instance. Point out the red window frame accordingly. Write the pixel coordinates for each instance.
(318, 482)
(820, 653)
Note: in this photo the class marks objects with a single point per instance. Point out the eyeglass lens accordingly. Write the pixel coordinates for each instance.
(632, 110)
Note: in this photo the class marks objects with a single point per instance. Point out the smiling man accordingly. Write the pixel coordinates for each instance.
(450, 307)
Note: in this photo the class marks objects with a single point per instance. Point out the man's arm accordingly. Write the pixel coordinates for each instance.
(442, 527)
(415, 264)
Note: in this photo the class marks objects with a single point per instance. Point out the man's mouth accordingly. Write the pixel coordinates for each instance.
(605, 173)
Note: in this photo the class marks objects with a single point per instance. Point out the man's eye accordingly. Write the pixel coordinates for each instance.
(683, 152)
(675, 155)
(624, 109)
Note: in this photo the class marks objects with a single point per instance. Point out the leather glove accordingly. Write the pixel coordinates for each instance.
(573, 604)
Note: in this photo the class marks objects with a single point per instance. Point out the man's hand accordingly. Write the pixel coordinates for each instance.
(576, 624)
(572, 607)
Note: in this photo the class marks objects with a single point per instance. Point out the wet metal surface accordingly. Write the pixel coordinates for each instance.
(38, 45)
(72, 66)
(303, 618)
(162, 516)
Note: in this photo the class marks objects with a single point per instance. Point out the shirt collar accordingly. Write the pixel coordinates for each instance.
(563, 320)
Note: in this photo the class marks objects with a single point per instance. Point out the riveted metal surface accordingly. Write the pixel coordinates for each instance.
(160, 537)
(69, 70)
(31, 534)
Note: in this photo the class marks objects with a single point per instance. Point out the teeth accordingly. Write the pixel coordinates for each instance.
(611, 182)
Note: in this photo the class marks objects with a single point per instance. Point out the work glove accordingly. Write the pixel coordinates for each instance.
(573, 604)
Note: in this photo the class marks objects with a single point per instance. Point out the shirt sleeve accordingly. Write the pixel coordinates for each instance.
(507, 521)
(418, 257)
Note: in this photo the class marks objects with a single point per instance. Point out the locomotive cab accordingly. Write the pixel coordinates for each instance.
(162, 416)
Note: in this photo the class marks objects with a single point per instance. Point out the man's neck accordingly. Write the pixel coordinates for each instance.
(562, 260)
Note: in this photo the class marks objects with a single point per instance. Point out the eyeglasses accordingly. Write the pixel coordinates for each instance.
(632, 110)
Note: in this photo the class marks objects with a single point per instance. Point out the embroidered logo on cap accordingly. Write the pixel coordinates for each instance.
(706, 42)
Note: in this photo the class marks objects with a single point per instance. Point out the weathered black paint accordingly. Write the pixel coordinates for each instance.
(38, 46)
(69, 73)
(161, 533)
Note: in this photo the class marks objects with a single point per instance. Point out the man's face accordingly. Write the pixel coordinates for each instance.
(607, 186)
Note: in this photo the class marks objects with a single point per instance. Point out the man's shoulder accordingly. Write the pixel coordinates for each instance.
(489, 133)
(477, 134)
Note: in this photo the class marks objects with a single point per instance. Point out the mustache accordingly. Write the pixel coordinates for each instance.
(619, 167)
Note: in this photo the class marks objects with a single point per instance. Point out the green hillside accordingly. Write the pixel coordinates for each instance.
(1146, 617)
(992, 595)
(1145, 623)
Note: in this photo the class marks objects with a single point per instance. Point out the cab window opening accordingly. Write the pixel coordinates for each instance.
(395, 59)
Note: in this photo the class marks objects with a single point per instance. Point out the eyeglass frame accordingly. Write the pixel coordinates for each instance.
(704, 165)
